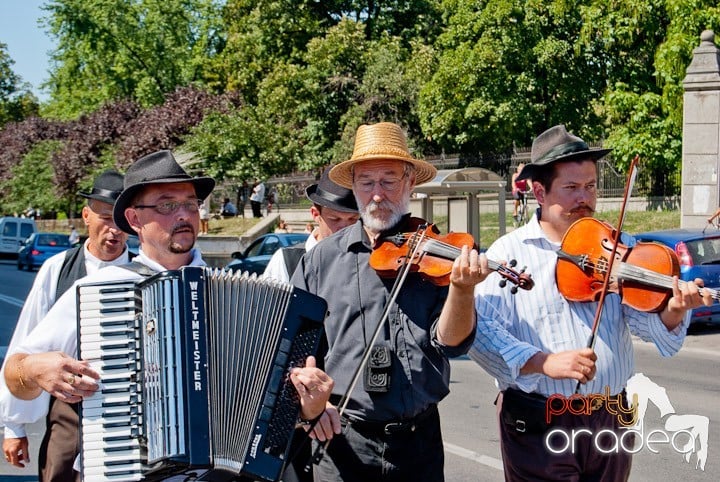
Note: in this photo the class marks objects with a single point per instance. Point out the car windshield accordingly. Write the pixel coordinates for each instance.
(704, 251)
(53, 240)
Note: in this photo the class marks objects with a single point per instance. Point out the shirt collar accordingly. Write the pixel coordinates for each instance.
(98, 263)
(142, 258)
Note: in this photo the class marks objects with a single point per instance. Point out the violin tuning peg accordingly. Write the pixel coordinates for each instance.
(512, 263)
(523, 269)
(503, 283)
(514, 289)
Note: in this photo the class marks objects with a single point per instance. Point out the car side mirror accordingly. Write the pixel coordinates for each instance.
(237, 255)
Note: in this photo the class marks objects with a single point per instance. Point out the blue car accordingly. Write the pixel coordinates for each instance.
(256, 257)
(698, 252)
(39, 247)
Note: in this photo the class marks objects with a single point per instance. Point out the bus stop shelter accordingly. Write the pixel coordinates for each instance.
(462, 190)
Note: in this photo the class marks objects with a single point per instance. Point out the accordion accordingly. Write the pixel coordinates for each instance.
(194, 373)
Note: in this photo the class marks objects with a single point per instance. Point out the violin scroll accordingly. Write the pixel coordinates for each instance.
(520, 279)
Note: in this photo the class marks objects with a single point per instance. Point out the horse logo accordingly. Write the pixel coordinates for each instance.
(695, 427)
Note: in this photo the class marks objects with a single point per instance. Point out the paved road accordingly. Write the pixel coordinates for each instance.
(471, 444)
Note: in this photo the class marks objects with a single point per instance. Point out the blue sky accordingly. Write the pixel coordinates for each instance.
(27, 43)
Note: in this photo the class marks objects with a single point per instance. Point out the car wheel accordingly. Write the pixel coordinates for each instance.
(29, 266)
(20, 265)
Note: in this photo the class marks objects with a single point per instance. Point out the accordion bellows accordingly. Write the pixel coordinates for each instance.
(194, 373)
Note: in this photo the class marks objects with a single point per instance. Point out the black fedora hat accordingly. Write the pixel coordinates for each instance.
(157, 168)
(106, 188)
(557, 144)
(327, 193)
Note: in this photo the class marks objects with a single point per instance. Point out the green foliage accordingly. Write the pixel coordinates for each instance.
(32, 182)
(16, 100)
(137, 49)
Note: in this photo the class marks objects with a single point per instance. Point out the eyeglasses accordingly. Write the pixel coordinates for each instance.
(390, 184)
(170, 207)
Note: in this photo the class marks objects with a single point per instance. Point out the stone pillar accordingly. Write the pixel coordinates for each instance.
(700, 195)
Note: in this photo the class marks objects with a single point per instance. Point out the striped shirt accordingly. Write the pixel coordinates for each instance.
(512, 328)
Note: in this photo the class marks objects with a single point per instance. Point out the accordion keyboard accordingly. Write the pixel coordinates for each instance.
(111, 417)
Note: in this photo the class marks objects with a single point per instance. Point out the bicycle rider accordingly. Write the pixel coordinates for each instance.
(714, 216)
(519, 190)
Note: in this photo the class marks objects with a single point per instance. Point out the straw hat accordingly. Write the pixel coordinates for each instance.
(557, 144)
(157, 168)
(382, 141)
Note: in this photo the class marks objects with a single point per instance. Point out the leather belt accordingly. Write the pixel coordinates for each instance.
(391, 427)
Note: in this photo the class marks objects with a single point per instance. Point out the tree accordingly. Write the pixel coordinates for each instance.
(32, 183)
(16, 100)
(506, 70)
(645, 47)
(129, 49)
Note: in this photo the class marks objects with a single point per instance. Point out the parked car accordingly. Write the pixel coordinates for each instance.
(13, 231)
(39, 247)
(698, 252)
(256, 257)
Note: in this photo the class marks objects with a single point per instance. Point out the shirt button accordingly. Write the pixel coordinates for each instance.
(401, 354)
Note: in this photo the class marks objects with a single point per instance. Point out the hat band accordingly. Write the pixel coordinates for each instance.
(105, 193)
(328, 196)
(561, 150)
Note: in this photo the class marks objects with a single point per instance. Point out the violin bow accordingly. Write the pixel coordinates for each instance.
(397, 286)
(632, 174)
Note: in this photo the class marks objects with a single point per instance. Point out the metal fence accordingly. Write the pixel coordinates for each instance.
(290, 189)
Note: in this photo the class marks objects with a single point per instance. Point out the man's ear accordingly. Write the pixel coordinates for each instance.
(86, 214)
(539, 192)
(133, 220)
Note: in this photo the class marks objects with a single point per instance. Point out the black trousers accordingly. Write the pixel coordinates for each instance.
(361, 453)
(255, 206)
(533, 456)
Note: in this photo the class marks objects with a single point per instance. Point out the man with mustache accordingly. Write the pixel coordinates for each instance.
(160, 203)
(105, 246)
(391, 427)
(535, 342)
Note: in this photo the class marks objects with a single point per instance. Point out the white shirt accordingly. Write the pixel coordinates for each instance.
(276, 267)
(258, 193)
(58, 332)
(37, 304)
(512, 328)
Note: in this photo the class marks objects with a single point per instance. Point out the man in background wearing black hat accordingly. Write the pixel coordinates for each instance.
(535, 343)
(333, 208)
(105, 246)
(160, 203)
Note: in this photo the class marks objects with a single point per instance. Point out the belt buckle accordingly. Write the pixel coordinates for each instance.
(520, 426)
(596, 404)
(395, 427)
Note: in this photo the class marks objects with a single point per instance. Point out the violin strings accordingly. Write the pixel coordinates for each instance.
(637, 273)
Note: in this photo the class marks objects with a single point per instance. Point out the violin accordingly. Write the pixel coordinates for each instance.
(434, 256)
(642, 275)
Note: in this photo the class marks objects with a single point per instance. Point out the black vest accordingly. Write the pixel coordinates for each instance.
(73, 268)
(292, 256)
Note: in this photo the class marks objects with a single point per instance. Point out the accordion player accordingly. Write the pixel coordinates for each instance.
(194, 374)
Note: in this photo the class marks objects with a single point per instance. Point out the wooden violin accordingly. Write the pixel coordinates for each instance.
(642, 275)
(434, 257)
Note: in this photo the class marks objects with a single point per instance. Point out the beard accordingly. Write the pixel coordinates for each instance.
(383, 215)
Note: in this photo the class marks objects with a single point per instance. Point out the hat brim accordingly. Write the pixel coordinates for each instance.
(203, 188)
(311, 193)
(342, 173)
(593, 154)
(97, 197)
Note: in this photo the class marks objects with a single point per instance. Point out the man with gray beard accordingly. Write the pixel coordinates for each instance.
(390, 429)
